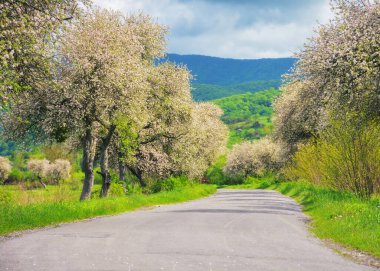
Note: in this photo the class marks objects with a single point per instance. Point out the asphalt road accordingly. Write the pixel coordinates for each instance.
(231, 230)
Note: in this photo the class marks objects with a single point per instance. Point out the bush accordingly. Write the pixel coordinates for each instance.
(133, 188)
(170, 184)
(116, 190)
(345, 157)
(5, 168)
(215, 174)
(59, 170)
(253, 159)
(18, 175)
(55, 172)
(39, 167)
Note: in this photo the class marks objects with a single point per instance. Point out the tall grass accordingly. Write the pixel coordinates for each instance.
(16, 217)
(339, 216)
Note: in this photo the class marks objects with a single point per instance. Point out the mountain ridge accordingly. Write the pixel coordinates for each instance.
(229, 71)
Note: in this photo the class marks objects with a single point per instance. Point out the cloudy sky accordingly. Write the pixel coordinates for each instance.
(232, 28)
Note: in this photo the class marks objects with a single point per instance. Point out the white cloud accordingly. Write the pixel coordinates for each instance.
(236, 29)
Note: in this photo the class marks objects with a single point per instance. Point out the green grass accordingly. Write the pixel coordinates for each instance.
(338, 216)
(16, 217)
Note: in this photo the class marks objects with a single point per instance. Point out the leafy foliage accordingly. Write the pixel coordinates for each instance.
(170, 184)
(215, 174)
(341, 63)
(299, 114)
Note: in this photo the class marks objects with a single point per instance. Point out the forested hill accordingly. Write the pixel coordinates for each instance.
(222, 77)
(226, 72)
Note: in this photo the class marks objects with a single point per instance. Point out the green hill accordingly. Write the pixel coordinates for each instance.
(248, 115)
(206, 92)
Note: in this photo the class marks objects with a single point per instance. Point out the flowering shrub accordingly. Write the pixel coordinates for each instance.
(5, 168)
(55, 172)
(253, 158)
(59, 170)
(39, 167)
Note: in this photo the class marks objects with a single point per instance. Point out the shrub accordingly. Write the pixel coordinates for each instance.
(39, 167)
(116, 190)
(133, 188)
(59, 170)
(240, 162)
(5, 168)
(253, 159)
(170, 184)
(215, 174)
(345, 157)
(18, 175)
(55, 172)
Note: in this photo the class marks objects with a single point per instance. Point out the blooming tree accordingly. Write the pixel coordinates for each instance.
(180, 137)
(254, 158)
(337, 75)
(342, 62)
(28, 31)
(203, 144)
(298, 114)
(169, 116)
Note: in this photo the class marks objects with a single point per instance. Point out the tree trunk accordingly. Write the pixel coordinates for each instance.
(122, 173)
(139, 176)
(41, 182)
(89, 148)
(138, 173)
(106, 176)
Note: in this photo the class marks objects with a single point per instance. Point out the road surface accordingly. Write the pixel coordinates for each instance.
(231, 230)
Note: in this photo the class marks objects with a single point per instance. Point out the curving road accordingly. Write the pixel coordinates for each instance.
(231, 230)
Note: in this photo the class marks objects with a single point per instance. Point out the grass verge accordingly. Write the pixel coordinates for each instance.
(342, 217)
(16, 217)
